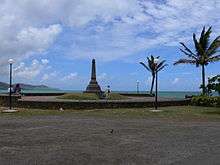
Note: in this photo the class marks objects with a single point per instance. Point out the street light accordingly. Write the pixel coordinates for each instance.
(156, 60)
(138, 82)
(10, 61)
(10, 110)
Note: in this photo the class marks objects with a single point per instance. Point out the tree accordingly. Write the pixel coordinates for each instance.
(152, 67)
(213, 84)
(205, 52)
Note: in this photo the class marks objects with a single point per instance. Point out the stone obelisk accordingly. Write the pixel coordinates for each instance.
(93, 86)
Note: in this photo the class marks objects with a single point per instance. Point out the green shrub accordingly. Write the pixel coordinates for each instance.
(80, 96)
(90, 96)
(205, 101)
(116, 96)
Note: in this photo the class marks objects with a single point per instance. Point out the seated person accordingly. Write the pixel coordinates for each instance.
(17, 89)
(107, 92)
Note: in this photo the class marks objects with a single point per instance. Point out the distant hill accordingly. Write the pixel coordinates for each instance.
(5, 86)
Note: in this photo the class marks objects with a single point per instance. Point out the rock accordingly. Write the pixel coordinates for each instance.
(61, 109)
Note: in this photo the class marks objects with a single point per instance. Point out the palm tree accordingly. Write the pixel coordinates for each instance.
(205, 52)
(152, 67)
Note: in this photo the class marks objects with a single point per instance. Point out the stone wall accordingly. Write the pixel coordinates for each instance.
(43, 94)
(53, 105)
(4, 100)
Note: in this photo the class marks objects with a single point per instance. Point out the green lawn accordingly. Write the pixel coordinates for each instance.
(180, 113)
(90, 96)
(79, 96)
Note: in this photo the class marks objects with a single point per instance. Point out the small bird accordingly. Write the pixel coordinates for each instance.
(112, 131)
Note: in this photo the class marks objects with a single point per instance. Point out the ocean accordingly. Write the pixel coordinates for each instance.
(169, 94)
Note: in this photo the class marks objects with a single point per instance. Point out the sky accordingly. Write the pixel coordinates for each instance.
(53, 42)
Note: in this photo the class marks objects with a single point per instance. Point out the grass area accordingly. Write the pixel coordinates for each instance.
(180, 113)
(80, 96)
(90, 96)
(116, 96)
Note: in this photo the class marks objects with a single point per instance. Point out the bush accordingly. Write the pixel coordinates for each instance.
(116, 96)
(80, 96)
(205, 101)
(90, 96)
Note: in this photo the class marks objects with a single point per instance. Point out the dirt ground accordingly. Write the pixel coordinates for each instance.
(72, 139)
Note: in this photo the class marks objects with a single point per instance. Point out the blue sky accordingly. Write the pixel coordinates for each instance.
(53, 42)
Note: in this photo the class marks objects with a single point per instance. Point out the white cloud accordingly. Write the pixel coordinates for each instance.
(102, 76)
(45, 77)
(37, 39)
(175, 81)
(104, 29)
(22, 35)
(150, 24)
(49, 76)
(45, 61)
(71, 76)
(29, 72)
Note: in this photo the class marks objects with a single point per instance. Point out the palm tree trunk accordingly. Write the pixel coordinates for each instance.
(152, 84)
(203, 80)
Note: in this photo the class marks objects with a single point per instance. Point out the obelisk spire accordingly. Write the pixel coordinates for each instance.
(93, 74)
(93, 86)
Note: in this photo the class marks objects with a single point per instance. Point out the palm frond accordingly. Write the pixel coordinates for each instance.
(187, 49)
(151, 65)
(214, 59)
(185, 61)
(214, 46)
(161, 64)
(143, 64)
(161, 68)
(198, 47)
(204, 38)
(188, 54)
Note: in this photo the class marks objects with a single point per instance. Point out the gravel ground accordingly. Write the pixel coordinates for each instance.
(69, 139)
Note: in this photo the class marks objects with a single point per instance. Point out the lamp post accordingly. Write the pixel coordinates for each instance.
(156, 60)
(10, 110)
(10, 61)
(138, 82)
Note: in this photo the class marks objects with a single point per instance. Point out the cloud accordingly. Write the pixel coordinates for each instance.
(49, 76)
(104, 29)
(102, 76)
(36, 39)
(22, 35)
(150, 24)
(45, 61)
(71, 76)
(30, 72)
(28, 41)
(175, 81)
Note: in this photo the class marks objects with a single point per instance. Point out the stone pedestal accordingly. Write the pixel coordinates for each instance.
(93, 86)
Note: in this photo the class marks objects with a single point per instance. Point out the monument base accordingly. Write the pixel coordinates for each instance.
(93, 87)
